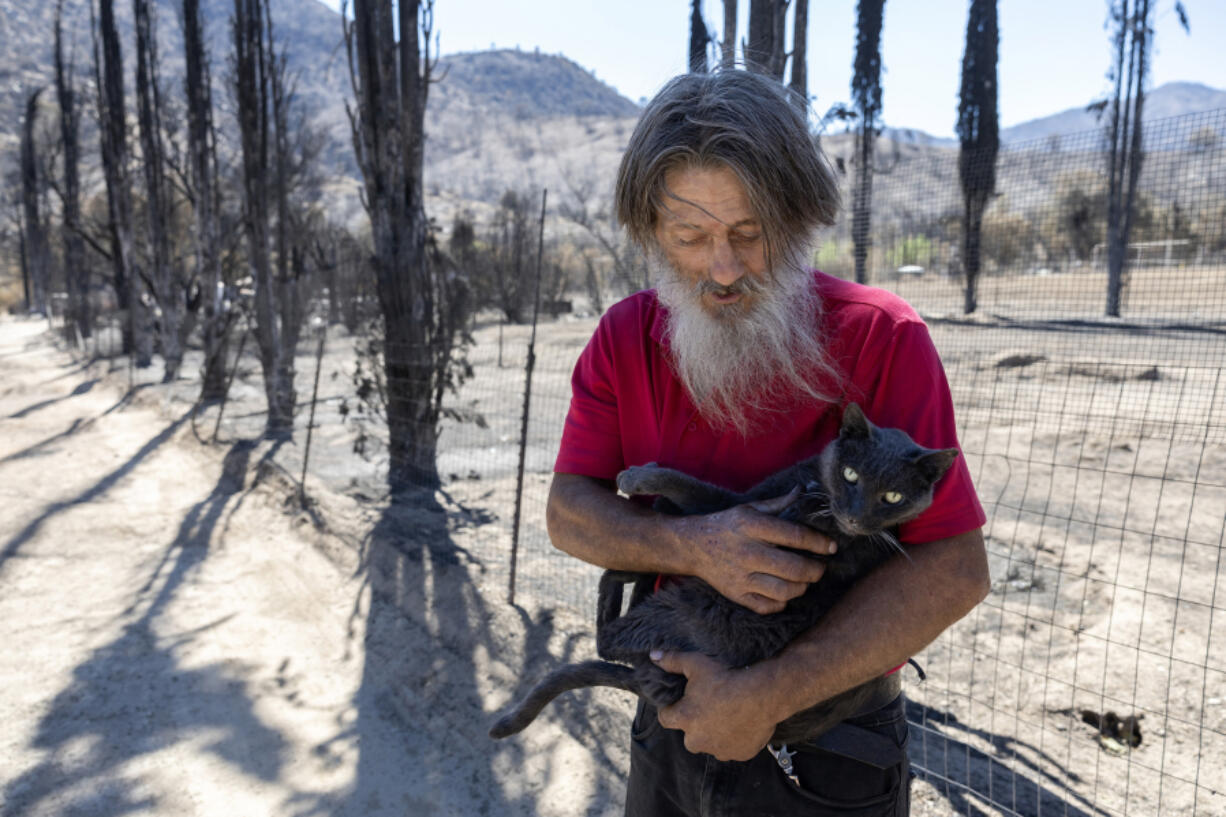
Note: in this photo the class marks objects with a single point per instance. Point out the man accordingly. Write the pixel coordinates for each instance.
(737, 366)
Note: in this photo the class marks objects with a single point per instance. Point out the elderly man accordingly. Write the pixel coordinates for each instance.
(736, 366)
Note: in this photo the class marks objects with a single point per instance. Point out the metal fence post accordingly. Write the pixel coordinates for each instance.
(523, 428)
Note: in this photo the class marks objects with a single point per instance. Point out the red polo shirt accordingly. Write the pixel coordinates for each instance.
(629, 408)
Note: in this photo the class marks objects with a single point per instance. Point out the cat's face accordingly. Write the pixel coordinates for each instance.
(879, 477)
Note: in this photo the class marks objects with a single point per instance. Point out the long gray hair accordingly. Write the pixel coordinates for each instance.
(742, 121)
(739, 372)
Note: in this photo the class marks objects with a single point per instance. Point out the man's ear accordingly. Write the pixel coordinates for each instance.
(855, 424)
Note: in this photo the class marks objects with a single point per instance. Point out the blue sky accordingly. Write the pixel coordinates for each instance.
(1054, 54)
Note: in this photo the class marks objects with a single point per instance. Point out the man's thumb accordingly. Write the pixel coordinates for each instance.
(774, 506)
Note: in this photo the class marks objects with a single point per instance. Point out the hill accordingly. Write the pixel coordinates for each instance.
(496, 119)
(1171, 99)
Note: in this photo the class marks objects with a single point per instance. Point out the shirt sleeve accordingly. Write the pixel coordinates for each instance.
(912, 393)
(591, 437)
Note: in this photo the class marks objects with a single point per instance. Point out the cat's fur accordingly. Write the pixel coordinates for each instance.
(689, 615)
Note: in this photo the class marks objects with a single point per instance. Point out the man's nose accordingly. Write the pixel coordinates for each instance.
(726, 267)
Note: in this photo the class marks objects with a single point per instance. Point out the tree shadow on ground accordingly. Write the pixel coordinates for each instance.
(81, 388)
(132, 697)
(973, 780)
(430, 650)
(14, 544)
(45, 447)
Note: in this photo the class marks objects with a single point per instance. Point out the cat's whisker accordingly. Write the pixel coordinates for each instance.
(891, 543)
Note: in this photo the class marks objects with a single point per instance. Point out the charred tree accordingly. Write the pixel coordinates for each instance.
(979, 133)
(38, 251)
(289, 239)
(391, 80)
(866, 97)
(799, 85)
(728, 45)
(764, 49)
(163, 276)
(1129, 72)
(698, 39)
(76, 272)
(113, 138)
(253, 64)
(201, 142)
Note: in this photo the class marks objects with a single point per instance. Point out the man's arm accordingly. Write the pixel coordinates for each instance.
(884, 619)
(735, 551)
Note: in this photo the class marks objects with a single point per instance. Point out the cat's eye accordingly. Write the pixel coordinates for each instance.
(850, 474)
(892, 497)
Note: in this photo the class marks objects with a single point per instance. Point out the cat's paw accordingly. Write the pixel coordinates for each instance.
(639, 479)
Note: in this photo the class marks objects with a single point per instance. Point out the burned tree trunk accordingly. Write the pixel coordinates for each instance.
(38, 253)
(290, 259)
(979, 133)
(764, 49)
(77, 323)
(728, 46)
(201, 141)
(167, 288)
(1124, 149)
(391, 80)
(253, 65)
(698, 39)
(799, 86)
(113, 136)
(866, 96)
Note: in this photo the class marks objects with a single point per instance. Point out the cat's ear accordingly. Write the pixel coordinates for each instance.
(855, 424)
(934, 463)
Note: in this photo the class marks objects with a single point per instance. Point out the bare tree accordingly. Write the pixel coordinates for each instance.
(391, 79)
(698, 39)
(512, 247)
(629, 266)
(37, 250)
(76, 271)
(799, 85)
(866, 97)
(254, 65)
(1129, 71)
(113, 136)
(765, 47)
(201, 140)
(295, 145)
(164, 277)
(728, 45)
(979, 133)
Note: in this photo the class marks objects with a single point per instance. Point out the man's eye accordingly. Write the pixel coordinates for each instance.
(743, 238)
(691, 242)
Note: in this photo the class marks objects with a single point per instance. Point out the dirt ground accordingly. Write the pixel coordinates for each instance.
(185, 636)
(181, 640)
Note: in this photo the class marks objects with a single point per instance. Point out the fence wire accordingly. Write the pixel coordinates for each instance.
(1097, 445)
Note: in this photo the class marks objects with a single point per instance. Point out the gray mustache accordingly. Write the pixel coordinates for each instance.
(742, 286)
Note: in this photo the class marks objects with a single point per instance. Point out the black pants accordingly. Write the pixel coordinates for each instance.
(858, 768)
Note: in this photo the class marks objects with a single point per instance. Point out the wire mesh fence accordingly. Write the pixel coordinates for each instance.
(1092, 680)
(1098, 447)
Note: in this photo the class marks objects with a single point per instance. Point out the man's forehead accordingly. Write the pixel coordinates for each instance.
(692, 196)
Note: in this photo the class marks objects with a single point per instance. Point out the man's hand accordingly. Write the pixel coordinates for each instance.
(724, 712)
(737, 551)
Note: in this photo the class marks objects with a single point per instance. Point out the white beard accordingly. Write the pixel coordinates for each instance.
(745, 361)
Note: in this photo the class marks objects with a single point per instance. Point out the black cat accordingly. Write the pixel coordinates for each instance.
(864, 483)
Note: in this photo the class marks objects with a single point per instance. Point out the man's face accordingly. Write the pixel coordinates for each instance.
(709, 234)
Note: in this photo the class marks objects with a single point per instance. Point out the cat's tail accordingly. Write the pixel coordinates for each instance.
(563, 679)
